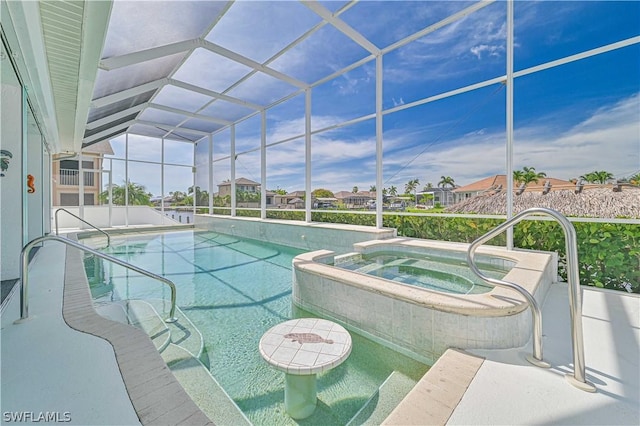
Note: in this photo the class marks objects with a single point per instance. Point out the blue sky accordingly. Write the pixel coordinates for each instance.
(569, 120)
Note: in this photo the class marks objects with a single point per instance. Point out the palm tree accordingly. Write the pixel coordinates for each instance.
(242, 196)
(412, 185)
(393, 191)
(587, 177)
(446, 181)
(372, 188)
(178, 196)
(202, 197)
(138, 195)
(601, 176)
(222, 201)
(354, 189)
(518, 176)
(635, 179)
(530, 175)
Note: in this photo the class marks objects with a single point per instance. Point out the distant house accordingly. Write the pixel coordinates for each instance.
(158, 201)
(242, 184)
(66, 176)
(283, 201)
(399, 202)
(296, 203)
(355, 200)
(498, 183)
(443, 196)
(324, 202)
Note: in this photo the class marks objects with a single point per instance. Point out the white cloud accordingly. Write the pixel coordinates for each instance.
(260, 29)
(609, 139)
(352, 82)
(477, 132)
(323, 53)
(441, 52)
(491, 50)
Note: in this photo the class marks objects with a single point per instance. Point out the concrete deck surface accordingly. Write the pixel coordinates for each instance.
(48, 367)
(509, 390)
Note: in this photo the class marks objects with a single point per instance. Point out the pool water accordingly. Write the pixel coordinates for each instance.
(234, 290)
(445, 273)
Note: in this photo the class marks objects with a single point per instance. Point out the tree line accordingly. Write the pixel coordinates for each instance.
(139, 196)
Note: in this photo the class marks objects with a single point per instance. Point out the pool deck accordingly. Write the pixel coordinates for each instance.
(520, 392)
(500, 387)
(48, 367)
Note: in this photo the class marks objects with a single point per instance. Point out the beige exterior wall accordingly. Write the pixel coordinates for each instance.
(66, 183)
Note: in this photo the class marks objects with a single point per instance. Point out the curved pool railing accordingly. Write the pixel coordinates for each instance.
(24, 277)
(578, 379)
(81, 220)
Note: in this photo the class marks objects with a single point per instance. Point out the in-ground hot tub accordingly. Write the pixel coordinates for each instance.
(436, 269)
(418, 297)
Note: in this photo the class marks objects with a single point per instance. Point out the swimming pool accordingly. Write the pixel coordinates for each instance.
(234, 290)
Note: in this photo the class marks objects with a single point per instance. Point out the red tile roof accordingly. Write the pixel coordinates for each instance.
(493, 182)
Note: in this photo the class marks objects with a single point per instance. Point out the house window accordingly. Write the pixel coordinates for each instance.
(69, 173)
(67, 199)
(73, 164)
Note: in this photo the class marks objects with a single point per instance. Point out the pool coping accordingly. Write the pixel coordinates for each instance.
(435, 397)
(156, 395)
(528, 271)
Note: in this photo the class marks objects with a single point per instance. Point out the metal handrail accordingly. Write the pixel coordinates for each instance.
(24, 278)
(575, 298)
(82, 220)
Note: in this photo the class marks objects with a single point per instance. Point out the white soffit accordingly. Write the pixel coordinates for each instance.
(73, 33)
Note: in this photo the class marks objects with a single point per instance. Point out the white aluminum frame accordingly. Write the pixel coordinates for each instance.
(376, 54)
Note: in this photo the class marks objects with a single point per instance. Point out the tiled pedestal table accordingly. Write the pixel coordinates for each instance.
(303, 348)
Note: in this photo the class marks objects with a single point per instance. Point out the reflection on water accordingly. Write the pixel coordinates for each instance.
(447, 272)
(182, 216)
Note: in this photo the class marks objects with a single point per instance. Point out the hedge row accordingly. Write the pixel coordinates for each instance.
(609, 253)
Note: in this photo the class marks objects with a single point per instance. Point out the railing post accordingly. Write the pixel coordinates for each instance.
(82, 220)
(536, 314)
(24, 274)
(578, 379)
(24, 279)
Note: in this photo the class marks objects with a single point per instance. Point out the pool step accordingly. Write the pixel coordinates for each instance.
(383, 400)
(183, 332)
(139, 314)
(149, 315)
(202, 387)
(144, 316)
(112, 311)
